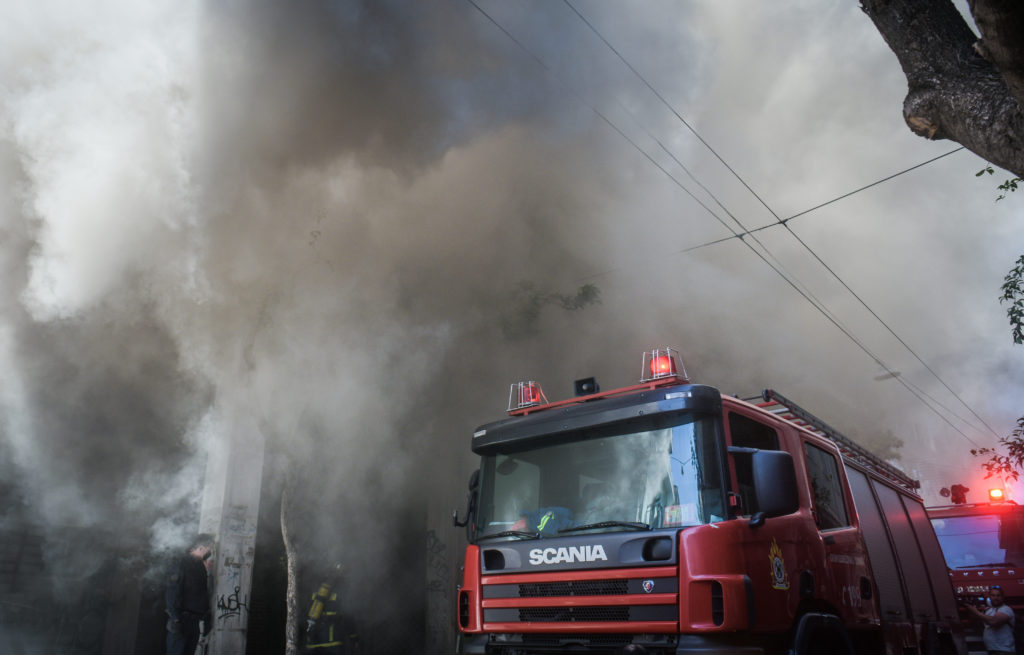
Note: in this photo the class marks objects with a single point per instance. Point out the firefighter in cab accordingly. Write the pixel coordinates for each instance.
(324, 634)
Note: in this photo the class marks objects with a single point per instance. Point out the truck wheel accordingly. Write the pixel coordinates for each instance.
(823, 644)
(820, 634)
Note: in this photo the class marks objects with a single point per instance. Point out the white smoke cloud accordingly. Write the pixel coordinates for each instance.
(104, 118)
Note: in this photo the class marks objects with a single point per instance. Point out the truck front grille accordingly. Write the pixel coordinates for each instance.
(574, 588)
(647, 598)
(585, 613)
(571, 614)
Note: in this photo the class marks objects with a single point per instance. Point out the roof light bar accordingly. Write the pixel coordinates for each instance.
(525, 394)
(662, 363)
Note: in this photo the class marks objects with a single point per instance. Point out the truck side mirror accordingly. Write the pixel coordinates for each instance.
(775, 483)
(474, 484)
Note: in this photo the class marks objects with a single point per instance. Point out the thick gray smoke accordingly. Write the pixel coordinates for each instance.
(361, 221)
(322, 215)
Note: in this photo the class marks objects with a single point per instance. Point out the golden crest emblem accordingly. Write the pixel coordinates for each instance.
(780, 579)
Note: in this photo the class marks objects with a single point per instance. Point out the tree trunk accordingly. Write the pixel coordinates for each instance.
(960, 88)
(291, 628)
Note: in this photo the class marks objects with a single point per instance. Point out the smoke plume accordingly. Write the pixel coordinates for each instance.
(359, 222)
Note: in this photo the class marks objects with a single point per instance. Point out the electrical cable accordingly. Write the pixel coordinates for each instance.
(604, 118)
(778, 267)
(779, 220)
(666, 103)
(814, 302)
(824, 204)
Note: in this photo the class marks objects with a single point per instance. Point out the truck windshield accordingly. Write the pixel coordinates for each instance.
(982, 540)
(612, 479)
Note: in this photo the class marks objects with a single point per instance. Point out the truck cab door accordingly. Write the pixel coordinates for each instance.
(773, 547)
(843, 578)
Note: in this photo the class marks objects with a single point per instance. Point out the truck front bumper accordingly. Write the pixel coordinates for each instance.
(482, 644)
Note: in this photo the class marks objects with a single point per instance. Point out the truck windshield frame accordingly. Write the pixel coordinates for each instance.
(981, 540)
(658, 472)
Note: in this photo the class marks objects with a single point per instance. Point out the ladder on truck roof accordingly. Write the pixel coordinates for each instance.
(780, 406)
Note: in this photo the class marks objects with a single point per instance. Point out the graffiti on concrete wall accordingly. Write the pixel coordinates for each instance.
(233, 605)
(439, 625)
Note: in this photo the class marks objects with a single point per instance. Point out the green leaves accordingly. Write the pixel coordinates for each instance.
(1009, 186)
(1008, 465)
(1013, 293)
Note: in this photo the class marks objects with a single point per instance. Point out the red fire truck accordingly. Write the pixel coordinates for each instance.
(983, 544)
(667, 518)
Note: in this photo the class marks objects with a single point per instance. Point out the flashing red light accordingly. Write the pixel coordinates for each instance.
(526, 394)
(995, 495)
(662, 365)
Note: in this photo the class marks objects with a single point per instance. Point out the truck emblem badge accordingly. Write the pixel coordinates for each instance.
(648, 586)
(779, 578)
(568, 555)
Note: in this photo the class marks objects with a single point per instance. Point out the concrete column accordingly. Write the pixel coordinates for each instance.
(445, 546)
(231, 500)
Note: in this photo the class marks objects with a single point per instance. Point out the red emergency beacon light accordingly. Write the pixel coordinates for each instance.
(526, 394)
(662, 363)
(996, 495)
(661, 367)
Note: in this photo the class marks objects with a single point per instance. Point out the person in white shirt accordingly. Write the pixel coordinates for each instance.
(998, 619)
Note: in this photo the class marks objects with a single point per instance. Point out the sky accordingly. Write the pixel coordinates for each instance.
(357, 223)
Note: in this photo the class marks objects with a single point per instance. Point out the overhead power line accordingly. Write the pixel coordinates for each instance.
(817, 304)
(824, 204)
(666, 103)
(784, 222)
(778, 267)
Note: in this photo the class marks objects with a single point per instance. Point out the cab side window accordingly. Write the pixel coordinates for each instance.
(748, 433)
(826, 487)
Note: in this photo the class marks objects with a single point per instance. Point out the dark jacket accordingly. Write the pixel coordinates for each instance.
(188, 595)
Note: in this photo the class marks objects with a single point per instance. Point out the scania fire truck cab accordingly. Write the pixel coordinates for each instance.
(667, 518)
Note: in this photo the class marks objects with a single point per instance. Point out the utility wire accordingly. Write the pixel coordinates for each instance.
(604, 118)
(778, 263)
(893, 333)
(884, 179)
(778, 267)
(666, 103)
(784, 222)
(824, 204)
(816, 304)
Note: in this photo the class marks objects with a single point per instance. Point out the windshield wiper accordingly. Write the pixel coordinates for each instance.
(989, 564)
(522, 534)
(636, 525)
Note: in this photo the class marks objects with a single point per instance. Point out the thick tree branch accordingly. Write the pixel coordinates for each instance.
(954, 92)
(1001, 24)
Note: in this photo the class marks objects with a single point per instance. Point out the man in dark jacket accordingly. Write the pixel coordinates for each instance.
(188, 598)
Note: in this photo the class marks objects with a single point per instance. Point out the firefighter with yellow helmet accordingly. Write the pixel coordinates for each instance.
(323, 621)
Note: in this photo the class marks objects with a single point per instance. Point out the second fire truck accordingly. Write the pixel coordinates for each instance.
(983, 544)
